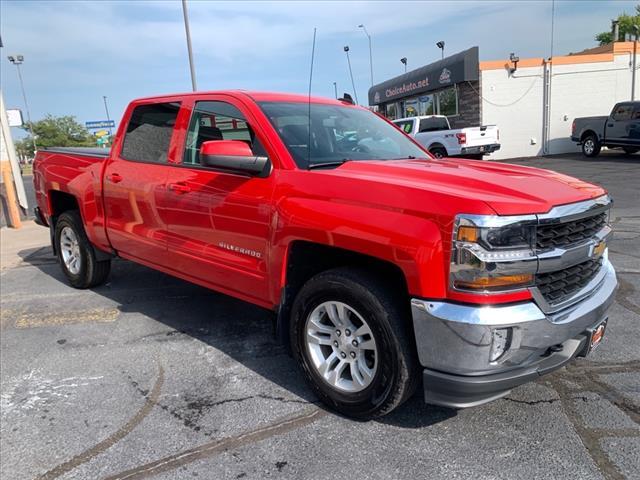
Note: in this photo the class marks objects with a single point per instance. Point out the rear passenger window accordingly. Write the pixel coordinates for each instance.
(213, 121)
(149, 132)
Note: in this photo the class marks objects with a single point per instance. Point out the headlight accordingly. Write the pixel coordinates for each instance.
(492, 254)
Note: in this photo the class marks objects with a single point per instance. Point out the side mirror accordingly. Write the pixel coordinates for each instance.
(233, 156)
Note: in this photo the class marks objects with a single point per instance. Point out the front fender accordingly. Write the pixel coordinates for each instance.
(412, 243)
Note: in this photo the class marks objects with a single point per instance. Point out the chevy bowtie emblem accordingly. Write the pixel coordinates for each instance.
(598, 249)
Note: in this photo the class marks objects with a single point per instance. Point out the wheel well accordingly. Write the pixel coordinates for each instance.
(307, 259)
(586, 134)
(61, 202)
(437, 145)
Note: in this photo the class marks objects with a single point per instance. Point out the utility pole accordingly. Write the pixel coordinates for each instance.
(353, 84)
(17, 61)
(188, 33)
(633, 64)
(370, 51)
(106, 109)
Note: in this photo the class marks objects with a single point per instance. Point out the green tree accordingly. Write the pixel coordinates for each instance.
(55, 132)
(626, 24)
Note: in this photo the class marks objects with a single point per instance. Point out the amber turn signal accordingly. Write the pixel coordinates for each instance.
(487, 283)
(467, 234)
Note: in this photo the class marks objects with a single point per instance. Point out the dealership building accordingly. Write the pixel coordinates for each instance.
(533, 101)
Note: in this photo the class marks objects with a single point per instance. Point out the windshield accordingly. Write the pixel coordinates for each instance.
(338, 134)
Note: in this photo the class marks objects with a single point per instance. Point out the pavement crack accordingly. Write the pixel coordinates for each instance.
(216, 447)
(531, 402)
(113, 438)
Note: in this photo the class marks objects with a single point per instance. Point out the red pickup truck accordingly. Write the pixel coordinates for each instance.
(382, 265)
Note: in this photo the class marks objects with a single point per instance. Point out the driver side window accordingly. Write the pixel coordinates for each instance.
(211, 121)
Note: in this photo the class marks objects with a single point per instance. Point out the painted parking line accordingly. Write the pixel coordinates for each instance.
(22, 319)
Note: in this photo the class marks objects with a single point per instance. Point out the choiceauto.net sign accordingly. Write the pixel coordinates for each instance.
(457, 68)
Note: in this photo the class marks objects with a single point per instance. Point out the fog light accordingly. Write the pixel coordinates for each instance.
(500, 343)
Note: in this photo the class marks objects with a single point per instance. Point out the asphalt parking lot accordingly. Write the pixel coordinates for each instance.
(151, 377)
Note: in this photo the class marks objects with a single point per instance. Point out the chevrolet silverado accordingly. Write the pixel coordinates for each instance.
(382, 265)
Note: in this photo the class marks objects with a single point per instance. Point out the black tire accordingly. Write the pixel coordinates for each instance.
(91, 271)
(630, 150)
(438, 152)
(591, 146)
(388, 316)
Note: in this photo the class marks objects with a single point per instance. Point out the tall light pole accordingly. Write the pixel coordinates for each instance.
(353, 84)
(188, 33)
(106, 109)
(335, 89)
(636, 30)
(403, 61)
(440, 45)
(370, 51)
(17, 61)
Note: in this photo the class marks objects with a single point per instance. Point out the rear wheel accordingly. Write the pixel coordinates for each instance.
(351, 336)
(590, 146)
(76, 254)
(438, 152)
(630, 150)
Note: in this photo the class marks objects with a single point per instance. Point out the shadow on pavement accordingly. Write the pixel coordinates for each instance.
(242, 331)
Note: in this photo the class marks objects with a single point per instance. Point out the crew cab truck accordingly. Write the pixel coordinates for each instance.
(434, 133)
(621, 129)
(382, 265)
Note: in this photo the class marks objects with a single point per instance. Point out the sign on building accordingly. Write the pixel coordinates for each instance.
(100, 124)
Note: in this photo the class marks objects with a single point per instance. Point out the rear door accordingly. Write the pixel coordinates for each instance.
(619, 125)
(134, 188)
(219, 222)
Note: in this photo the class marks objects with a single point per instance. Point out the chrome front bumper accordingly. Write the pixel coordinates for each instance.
(454, 340)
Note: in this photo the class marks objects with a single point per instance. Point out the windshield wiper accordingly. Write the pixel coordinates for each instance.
(337, 163)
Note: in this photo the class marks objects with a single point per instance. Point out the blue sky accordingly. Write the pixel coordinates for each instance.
(76, 52)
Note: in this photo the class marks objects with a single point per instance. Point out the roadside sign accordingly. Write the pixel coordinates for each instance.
(101, 133)
(102, 140)
(100, 124)
(15, 118)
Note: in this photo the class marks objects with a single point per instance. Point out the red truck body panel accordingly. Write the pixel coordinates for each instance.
(232, 233)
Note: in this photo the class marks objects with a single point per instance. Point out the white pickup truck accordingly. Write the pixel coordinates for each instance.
(435, 134)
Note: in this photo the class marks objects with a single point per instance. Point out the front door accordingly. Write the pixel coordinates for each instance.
(619, 124)
(219, 222)
(135, 185)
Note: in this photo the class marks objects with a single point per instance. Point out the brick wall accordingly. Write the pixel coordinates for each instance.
(469, 105)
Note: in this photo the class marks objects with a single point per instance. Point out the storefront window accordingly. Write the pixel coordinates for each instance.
(411, 107)
(427, 106)
(391, 111)
(448, 102)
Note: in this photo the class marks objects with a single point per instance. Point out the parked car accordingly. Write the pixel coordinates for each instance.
(621, 129)
(435, 134)
(382, 265)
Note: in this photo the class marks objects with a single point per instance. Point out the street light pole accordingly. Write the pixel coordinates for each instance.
(106, 109)
(353, 84)
(633, 65)
(440, 45)
(403, 60)
(188, 33)
(335, 89)
(370, 51)
(17, 61)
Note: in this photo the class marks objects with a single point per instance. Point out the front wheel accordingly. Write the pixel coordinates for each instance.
(76, 254)
(351, 336)
(590, 146)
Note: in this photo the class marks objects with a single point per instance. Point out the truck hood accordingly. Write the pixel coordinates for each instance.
(508, 189)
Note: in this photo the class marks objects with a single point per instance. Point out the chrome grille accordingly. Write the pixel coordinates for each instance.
(568, 233)
(558, 286)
